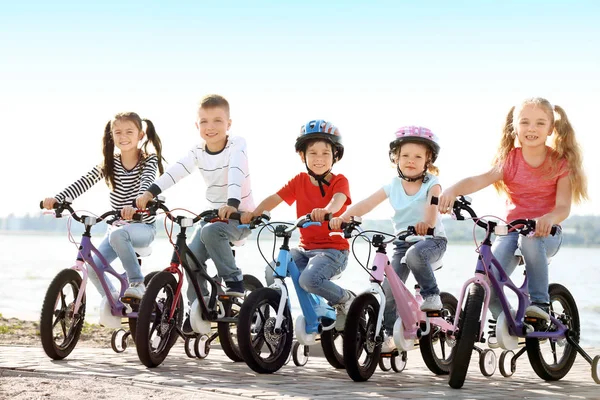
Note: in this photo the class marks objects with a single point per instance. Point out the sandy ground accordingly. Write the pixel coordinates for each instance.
(16, 385)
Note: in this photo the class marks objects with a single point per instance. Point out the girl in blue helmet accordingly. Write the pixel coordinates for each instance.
(413, 151)
(317, 192)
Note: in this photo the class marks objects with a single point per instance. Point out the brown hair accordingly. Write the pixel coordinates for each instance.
(432, 169)
(108, 145)
(214, 101)
(564, 144)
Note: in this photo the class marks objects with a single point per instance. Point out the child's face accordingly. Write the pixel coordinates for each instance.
(126, 135)
(318, 157)
(213, 124)
(412, 159)
(533, 126)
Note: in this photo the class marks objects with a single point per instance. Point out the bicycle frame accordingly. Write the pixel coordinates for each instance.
(314, 308)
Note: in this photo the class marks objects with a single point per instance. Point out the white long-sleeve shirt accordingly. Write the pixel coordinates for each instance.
(225, 173)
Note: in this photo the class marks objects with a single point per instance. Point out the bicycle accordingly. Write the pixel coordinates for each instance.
(265, 328)
(561, 331)
(413, 328)
(161, 310)
(63, 309)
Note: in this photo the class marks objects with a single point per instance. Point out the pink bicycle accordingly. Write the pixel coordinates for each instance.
(363, 332)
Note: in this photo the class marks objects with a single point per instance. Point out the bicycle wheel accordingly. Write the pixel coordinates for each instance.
(264, 349)
(156, 331)
(468, 333)
(552, 359)
(361, 350)
(228, 330)
(434, 347)
(60, 328)
(133, 321)
(332, 343)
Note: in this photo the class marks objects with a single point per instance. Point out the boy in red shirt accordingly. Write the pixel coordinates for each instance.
(318, 193)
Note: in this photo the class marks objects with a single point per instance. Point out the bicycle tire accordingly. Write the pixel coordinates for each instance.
(427, 343)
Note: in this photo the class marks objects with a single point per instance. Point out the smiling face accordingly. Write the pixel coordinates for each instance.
(533, 125)
(126, 135)
(213, 124)
(318, 157)
(412, 158)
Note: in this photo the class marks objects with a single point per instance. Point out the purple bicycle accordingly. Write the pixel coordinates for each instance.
(63, 310)
(550, 345)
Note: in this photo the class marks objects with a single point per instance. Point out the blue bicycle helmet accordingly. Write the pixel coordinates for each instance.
(321, 129)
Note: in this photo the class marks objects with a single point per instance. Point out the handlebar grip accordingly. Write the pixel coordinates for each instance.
(328, 217)
(434, 200)
(430, 231)
(235, 215)
(138, 217)
(41, 204)
(554, 229)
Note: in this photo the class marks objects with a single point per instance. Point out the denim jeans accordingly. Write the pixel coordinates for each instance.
(536, 251)
(119, 242)
(419, 256)
(212, 241)
(317, 267)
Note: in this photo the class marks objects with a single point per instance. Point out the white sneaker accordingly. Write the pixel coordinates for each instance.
(432, 303)
(388, 345)
(135, 290)
(341, 310)
(538, 311)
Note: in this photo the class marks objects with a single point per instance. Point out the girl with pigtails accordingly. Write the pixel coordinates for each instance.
(540, 183)
(127, 173)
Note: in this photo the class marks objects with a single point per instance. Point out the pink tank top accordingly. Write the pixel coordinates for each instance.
(531, 191)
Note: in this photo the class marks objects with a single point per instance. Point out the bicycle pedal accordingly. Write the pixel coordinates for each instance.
(132, 301)
(434, 314)
(230, 296)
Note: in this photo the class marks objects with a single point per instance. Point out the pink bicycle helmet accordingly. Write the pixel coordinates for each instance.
(416, 134)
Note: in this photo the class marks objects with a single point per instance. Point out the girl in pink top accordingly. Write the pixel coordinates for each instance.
(540, 182)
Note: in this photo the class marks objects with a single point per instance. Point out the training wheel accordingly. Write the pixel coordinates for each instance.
(201, 346)
(398, 361)
(487, 362)
(189, 346)
(596, 369)
(507, 368)
(385, 363)
(300, 354)
(118, 340)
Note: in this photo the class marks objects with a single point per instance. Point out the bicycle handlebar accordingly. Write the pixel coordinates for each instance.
(522, 225)
(61, 206)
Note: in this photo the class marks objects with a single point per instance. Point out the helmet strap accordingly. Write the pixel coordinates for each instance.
(319, 178)
(422, 177)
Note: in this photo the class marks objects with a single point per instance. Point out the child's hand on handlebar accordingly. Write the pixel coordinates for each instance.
(543, 226)
(142, 201)
(127, 213)
(226, 211)
(335, 224)
(49, 203)
(318, 214)
(246, 217)
(421, 228)
(445, 202)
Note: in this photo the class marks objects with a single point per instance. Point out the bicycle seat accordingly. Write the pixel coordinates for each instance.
(143, 251)
(519, 254)
(434, 265)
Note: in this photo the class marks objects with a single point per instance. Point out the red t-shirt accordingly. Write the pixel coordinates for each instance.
(308, 197)
(531, 191)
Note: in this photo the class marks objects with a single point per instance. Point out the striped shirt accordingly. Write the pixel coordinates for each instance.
(128, 183)
(225, 174)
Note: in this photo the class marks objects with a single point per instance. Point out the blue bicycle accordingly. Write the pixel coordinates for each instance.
(265, 328)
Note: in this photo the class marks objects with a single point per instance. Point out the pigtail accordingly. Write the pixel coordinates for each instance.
(108, 149)
(156, 143)
(507, 143)
(565, 145)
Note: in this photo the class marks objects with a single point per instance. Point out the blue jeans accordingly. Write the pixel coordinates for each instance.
(317, 267)
(119, 242)
(536, 251)
(212, 241)
(419, 256)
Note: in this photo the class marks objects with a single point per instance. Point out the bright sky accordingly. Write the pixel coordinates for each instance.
(456, 67)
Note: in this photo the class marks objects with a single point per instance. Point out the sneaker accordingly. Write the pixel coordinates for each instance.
(186, 328)
(135, 290)
(492, 339)
(432, 303)
(388, 345)
(341, 310)
(235, 288)
(538, 310)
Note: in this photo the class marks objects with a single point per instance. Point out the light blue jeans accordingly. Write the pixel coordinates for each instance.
(212, 241)
(419, 256)
(536, 251)
(317, 267)
(119, 242)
